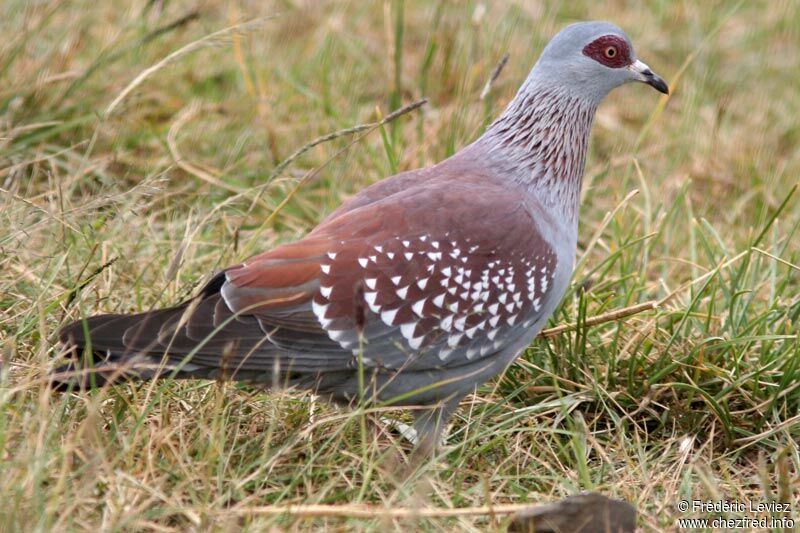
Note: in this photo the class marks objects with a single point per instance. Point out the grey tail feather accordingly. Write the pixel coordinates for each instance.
(106, 358)
(109, 358)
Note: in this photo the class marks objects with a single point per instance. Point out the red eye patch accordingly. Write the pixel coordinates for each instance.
(609, 50)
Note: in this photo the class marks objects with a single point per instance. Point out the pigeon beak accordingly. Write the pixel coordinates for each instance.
(643, 74)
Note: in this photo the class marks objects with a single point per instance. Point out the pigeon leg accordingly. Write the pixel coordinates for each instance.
(429, 425)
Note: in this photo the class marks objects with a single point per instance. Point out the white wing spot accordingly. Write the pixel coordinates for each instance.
(403, 291)
(417, 307)
(319, 310)
(396, 279)
(471, 331)
(363, 262)
(390, 255)
(325, 291)
(407, 329)
(439, 300)
(453, 340)
(332, 255)
(444, 353)
(422, 283)
(326, 269)
(378, 249)
(336, 334)
(370, 298)
(446, 323)
(388, 316)
(408, 255)
(446, 271)
(371, 282)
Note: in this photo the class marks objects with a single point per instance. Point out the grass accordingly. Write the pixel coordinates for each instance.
(131, 209)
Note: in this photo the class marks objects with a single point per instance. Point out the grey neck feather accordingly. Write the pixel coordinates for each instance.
(540, 141)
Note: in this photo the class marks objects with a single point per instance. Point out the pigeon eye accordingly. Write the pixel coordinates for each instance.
(609, 50)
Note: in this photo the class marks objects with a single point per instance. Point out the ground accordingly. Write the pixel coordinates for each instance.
(141, 149)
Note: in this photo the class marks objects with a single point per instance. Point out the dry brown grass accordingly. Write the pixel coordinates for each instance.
(697, 399)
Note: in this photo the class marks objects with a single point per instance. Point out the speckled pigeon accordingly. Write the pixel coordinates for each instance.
(417, 289)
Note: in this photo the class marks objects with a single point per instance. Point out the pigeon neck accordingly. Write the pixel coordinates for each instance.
(540, 141)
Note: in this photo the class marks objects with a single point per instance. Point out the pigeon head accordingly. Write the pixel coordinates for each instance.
(589, 59)
(541, 138)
